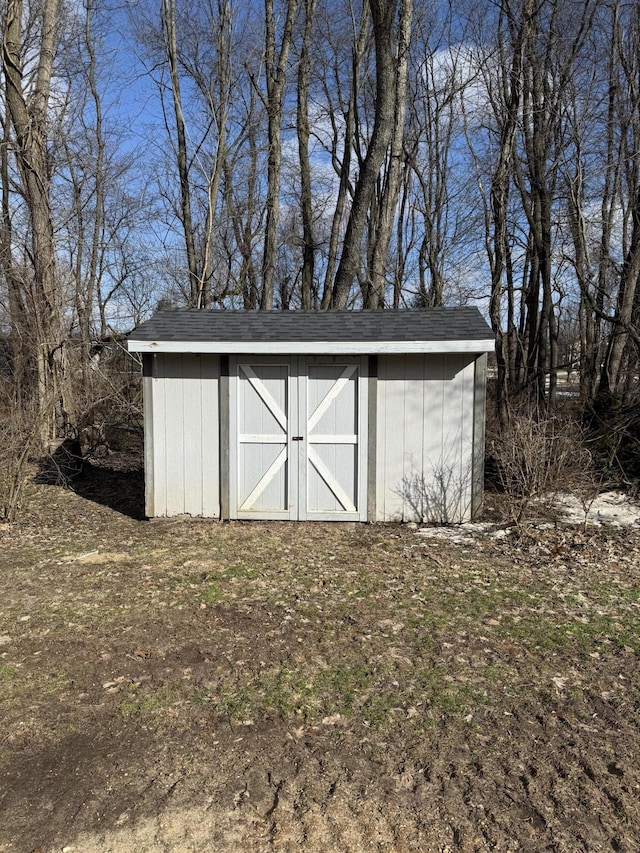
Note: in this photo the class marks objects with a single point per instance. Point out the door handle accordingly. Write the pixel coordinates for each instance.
(297, 438)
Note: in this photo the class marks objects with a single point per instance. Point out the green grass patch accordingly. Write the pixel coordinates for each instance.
(159, 700)
(571, 635)
(212, 594)
(307, 693)
(352, 690)
(8, 673)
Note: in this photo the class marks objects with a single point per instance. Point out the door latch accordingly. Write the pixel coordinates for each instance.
(297, 438)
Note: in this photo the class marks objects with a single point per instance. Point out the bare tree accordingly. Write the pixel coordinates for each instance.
(27, 102)
(342, 116)
(182, 159)
(14, 276)
(393, 176)
(625, 332)
(306, 189)
(383, 16)
(435, 122)
(593, 112)
(275, 68)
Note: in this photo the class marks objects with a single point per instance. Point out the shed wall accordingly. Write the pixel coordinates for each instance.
(426, 412)
(182, 442)
(480, 408)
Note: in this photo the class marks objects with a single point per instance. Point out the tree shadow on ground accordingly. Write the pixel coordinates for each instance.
(115, 481)
(121, 490)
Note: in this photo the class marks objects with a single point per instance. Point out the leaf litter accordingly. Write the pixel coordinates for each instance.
(188, 685)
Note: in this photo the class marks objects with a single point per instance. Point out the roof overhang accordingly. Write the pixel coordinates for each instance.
(312, 347)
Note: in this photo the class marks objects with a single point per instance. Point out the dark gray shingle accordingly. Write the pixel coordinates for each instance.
(429, 324)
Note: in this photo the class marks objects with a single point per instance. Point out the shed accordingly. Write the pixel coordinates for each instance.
(308, 415)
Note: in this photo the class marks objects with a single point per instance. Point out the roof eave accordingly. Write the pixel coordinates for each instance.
(313, 347)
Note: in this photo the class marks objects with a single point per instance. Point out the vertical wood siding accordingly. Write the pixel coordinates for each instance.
(425, 434)
(428, 436)
(480, 409)
(182, 436)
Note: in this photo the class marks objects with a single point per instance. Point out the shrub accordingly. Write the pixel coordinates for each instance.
(534, 453)
(20, 431)
(614, 432)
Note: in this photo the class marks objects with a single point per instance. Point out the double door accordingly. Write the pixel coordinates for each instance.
(298, 430)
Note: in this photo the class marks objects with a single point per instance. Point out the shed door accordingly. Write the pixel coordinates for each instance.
(332, 397)
(298, 439)
(261, 474)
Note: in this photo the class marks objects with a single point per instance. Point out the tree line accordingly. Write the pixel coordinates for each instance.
(321, 154)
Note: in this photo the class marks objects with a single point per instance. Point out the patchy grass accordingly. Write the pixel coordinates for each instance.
(182, 637)
(8, 673)
(149, 700)
(317, 621)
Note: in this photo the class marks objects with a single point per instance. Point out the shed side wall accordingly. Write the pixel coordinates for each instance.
(425, 437)
(480, 406)
(182, 435)
(147, 396)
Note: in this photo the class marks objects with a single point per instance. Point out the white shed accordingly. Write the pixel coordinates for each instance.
(332, 415)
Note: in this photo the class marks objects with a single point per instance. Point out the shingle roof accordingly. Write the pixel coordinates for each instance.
(411, 330)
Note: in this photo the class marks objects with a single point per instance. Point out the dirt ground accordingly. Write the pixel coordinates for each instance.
(183, 685)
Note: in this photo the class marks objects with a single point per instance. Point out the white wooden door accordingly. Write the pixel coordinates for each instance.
(332, 401)
(262, 482)
(298, 438)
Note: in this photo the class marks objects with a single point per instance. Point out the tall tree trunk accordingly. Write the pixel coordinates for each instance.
(611, 187)
(511, 99)
(86, 285)
(276, 75)
(393, 178)
(383, 13)
(14, 278)
(28, 115)
(244, 217)
(171, 48)
(623, 333)
(343, 166)
(612, 374)
(306, 193)
(221, 112)
(587, 319)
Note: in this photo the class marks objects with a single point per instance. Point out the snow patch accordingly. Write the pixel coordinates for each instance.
(614, 509)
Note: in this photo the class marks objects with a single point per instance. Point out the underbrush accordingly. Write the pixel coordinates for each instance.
(532, 452)
(614, 431)
(18, 427)
(105, 403)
